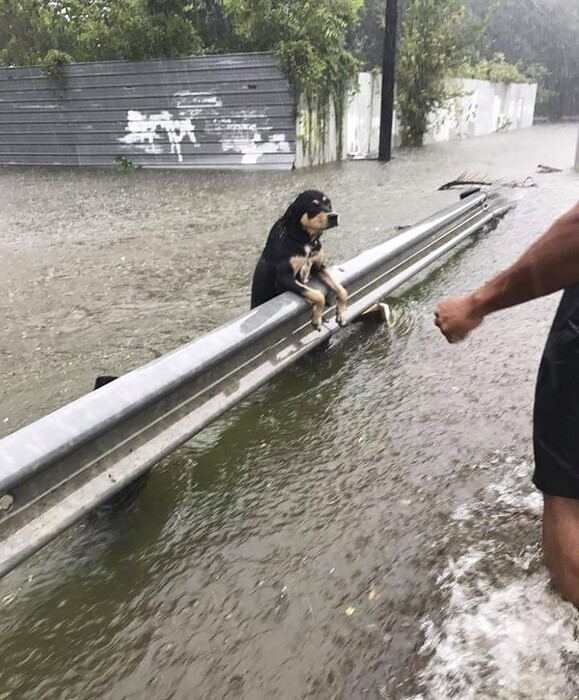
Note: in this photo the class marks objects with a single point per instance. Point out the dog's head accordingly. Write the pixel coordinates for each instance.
(312, 211)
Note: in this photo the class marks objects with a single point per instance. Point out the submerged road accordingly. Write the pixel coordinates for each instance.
(364, 526)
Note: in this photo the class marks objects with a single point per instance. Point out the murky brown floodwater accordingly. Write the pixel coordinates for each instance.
(389, 474)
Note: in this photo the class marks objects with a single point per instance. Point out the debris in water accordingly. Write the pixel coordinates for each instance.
(547, 169)
(466, 179)
(350, 611)
(372, 595)
(471, 179)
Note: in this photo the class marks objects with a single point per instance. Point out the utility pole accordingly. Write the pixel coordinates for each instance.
(388, 64)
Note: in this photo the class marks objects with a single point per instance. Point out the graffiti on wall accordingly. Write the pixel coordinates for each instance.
(199, 118)
(145, 131)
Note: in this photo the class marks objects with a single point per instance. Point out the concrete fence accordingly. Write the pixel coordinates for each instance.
(483, 108)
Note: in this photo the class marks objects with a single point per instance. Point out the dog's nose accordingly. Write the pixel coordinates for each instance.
(332, 220)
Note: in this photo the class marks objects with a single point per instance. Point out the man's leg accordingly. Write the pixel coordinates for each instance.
(561, 545)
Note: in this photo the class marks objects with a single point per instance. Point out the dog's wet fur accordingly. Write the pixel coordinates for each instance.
(293, 253)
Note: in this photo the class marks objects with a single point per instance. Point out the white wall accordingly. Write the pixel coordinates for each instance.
(313, 148)
(577, 155)
(484, 107)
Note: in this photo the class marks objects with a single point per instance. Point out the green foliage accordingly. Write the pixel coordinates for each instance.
(310, 37)
(125, 165)
(94, 30)
(539, 74)
(53, 65)
(368, 40)
(496, 69)
(440, 40)
(541, 36)
(428, 51)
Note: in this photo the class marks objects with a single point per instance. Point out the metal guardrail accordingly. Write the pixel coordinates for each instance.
(58, 469)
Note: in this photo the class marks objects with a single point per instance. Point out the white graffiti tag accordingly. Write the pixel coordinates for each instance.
(252, 146)
(246, 133)
(145, 130)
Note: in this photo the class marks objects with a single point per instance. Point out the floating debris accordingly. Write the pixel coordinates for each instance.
(547, 169)
(483, 181)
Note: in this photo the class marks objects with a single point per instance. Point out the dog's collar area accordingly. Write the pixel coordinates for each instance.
(301, 234)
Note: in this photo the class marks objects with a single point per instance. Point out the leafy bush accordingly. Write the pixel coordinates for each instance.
(53, 64)
(496, 69)
(427, 52)
(125, 165)
(310, 37)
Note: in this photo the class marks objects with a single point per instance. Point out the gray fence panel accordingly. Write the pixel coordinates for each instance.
(233, 111)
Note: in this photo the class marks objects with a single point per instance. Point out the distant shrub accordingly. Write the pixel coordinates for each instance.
(53, 65)
(496, 70)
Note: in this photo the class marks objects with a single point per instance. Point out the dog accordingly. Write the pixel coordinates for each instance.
(293, 253)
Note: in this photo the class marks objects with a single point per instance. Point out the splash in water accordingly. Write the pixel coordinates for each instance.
(501, 632)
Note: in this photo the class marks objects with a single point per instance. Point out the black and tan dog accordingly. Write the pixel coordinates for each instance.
(293, 252)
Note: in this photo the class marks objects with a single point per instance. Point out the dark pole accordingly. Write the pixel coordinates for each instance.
(388, 64)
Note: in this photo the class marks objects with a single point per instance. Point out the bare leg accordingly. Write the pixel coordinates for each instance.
(561, 545)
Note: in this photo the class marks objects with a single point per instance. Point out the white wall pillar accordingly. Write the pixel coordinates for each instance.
(577, 155)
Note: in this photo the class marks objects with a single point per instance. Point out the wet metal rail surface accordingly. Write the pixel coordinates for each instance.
(58, 469)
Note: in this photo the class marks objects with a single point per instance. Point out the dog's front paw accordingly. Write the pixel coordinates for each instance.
(340, 318)
(317, 325)
(318, 303)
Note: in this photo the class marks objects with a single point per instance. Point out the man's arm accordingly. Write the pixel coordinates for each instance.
(550, 264)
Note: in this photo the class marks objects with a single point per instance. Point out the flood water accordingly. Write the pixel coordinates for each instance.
(364, 527)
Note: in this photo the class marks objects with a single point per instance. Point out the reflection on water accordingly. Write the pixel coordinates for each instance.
(330, 537)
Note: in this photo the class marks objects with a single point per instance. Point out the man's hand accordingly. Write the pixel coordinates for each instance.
(457, 317)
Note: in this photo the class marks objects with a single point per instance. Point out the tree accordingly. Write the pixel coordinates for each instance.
(542, 36)
(94, 30)
(311, 38)
(428, 51)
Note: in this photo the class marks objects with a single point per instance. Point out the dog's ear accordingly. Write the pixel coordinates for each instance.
(294, 212)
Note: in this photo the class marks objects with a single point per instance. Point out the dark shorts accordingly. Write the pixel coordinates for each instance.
(556, 414)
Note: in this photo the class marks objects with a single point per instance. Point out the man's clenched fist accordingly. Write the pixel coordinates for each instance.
(457, 317)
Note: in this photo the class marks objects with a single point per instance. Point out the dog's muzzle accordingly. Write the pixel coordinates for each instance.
(332, 220)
